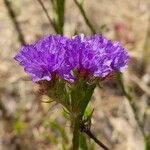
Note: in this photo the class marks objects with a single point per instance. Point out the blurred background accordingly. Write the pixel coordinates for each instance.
(26, 123)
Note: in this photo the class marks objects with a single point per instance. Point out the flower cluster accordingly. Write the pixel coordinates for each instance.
(93, 56)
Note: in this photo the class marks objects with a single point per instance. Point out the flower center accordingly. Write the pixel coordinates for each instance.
(83, 73)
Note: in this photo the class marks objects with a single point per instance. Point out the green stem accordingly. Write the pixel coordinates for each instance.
(76, 135)
(59, 10)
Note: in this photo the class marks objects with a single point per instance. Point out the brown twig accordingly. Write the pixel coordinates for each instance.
(47, 15)
(86, 130)
(15, 22)
(144, 87)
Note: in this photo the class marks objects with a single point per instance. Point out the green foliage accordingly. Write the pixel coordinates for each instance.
(59, 130)
(18, 126)
(74, 99)
(58, 92)
(51, 138)
(147, 143)
(80, 94)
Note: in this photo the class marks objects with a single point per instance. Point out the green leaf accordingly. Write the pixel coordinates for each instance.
(88, 116)
(88, 94)
(77, 94)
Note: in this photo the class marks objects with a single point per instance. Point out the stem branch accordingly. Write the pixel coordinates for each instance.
(131, 103)
(85, 17)
(47, 15)
(15, 22)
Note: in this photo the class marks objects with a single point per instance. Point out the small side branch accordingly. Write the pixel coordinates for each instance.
(85, 17)
(131, 103)
(87, 131)
(47, 15)
(15, 22)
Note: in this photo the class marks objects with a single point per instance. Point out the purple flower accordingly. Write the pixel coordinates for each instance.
(44, 58)
(114, 51)
(93, 56)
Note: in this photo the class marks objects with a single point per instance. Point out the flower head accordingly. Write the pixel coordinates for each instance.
(44, 58)
(93, 56)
